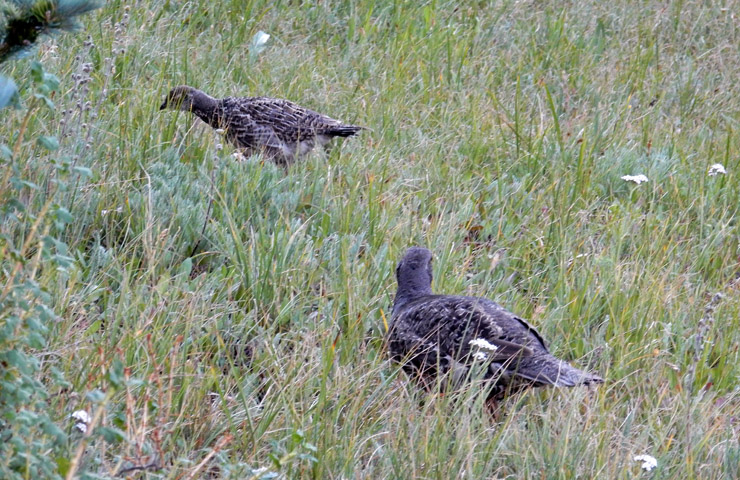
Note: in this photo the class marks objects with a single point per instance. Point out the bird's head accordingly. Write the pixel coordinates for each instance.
(414, 271)
(181, 97)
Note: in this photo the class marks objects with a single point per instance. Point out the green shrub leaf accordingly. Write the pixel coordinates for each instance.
(49, 142)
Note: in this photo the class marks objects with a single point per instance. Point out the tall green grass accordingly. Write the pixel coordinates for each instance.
(233, 312)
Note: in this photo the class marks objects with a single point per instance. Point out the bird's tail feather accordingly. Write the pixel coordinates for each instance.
(568, 376)
(344, 130)
(552, 371)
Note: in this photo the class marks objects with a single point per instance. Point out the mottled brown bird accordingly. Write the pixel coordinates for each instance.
(468, 338)
(276, 128)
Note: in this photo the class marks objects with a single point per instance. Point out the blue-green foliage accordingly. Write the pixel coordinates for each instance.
(174, 198)
(32, 444)
(28, 432)
(7, 90)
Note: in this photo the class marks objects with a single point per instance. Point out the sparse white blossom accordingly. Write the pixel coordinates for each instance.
(220, 131)
(81, 416)
(484, 344)
(480, 356)
(82, 419)
(638, 179)
(715, 169)
(105, 212)
(648, 462)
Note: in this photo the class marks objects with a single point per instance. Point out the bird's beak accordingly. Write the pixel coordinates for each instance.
(163, 106)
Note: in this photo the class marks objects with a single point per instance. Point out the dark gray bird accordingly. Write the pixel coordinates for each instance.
(279, 129)
(468, 338)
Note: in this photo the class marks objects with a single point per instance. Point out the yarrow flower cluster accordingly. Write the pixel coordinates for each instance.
(716, 169)
(648, 462)
(105, 212)
(82, 420)
(480, 356)
(638, 179)
(482, 344)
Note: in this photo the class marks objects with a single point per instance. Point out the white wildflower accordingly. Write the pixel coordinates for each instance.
(638, 179)
(82, 419)
(262, 472)
(81, 416)
(483, 344)
(106, 212)
(219, 147)
(220, 131)
(716, 169)
(480, 356)
(648, 462)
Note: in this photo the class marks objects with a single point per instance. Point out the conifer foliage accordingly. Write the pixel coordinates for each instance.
(27, 20)
(23, 22)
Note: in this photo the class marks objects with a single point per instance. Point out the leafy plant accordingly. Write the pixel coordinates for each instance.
(32, 254)
(7, 90)
(28, 432)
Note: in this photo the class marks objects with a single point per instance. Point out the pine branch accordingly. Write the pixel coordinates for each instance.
(30, 19)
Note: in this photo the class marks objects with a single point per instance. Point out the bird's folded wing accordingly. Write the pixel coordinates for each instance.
(422, 354)
(256, 136)
(463, 327)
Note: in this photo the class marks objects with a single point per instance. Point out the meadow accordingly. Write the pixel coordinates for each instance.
(225, 318)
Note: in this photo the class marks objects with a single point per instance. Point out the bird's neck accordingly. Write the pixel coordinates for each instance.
(408, 293)
(205, 107)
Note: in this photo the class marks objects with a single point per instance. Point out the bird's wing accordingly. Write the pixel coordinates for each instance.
(465, 326)
(422, 354)
(422, 357)
(243, 130)
(289, 120)
(512, 327)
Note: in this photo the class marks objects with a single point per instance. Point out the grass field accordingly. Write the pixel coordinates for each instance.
(229, 315)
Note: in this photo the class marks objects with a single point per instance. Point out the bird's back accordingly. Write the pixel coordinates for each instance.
(458, 318)
(288, 120)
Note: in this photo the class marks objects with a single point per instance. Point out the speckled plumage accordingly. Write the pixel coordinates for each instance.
(279, 129)
(433, 335)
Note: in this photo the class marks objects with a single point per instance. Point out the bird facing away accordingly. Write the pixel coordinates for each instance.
(279, 129)
(468, 338)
